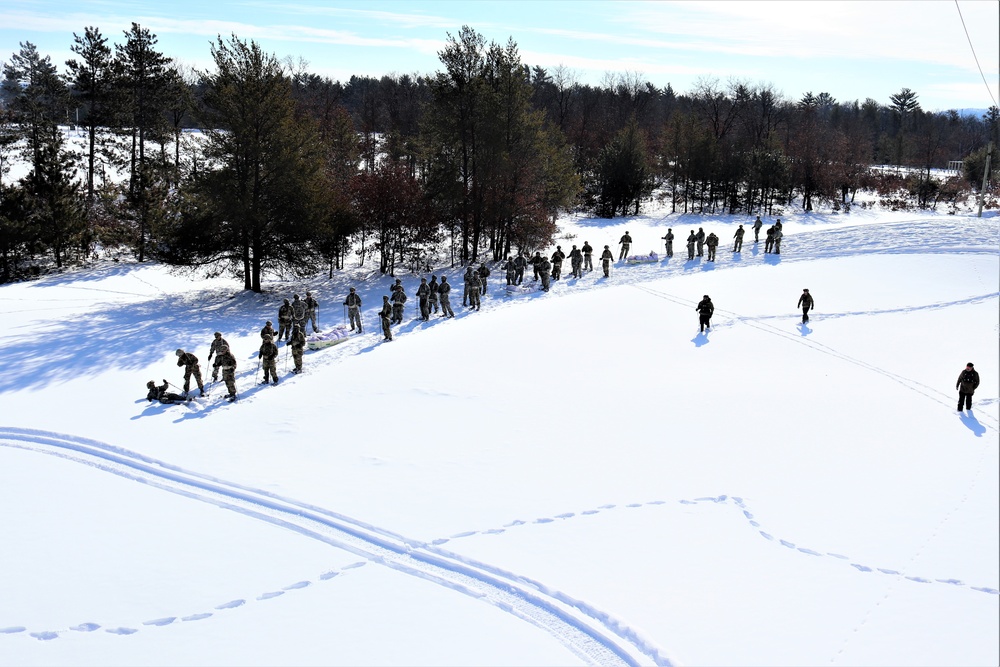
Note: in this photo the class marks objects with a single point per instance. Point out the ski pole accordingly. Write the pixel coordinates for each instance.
(345, 314)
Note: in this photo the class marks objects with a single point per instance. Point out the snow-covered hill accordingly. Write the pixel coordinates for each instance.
(562, 478)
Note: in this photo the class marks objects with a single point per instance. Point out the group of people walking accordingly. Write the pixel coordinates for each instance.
(698, 241)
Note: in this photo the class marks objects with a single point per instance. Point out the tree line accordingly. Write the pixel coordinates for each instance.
(291, 172)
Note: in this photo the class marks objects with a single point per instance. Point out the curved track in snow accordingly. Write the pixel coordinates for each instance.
(590, 634)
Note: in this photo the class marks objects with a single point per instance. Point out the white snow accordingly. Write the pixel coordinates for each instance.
(565, 478)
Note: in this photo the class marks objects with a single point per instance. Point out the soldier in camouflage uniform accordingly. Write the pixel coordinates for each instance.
(738, 243)
(467, 280)
(268, 330)
(385, 315)
(423, 299)
(625, 242)
(769, 241)
(191, 367)
(268, 354)
(757, 224)
(298, 347)
(484, 273)
(353, 303)
(227, 362)
(691, 240)
(699, 239)
(557, 259)
(510, 269)
(285, 320)
(435, 288)
(444, 291)
(606, 258)
(311, 306)
(535, 261)
(217, 344)
(298, 312)
(162, 395)
(473, 286)
(520, 264)
(544, 269)
(712, 241)
(398, 300)
(576, 262)
(776, 239)
(669, 238)
(588, 256)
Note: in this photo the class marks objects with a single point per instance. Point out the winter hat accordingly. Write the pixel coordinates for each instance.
(179, 352)
(969, 365)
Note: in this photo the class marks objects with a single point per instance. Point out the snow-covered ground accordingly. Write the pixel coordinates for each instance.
(577, 477)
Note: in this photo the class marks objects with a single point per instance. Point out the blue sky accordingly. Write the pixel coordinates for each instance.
(853, 50)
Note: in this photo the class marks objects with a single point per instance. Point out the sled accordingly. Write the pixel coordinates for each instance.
(328, 338)
(524, 288)
(651, 258)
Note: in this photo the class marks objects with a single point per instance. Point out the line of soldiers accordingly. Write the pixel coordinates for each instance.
(698, 241)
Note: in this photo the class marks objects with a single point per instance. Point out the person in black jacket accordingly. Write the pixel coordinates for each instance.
(968, 380)
(162, 395)
(806, 303)
(705, 310)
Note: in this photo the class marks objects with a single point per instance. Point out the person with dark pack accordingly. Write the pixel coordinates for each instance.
(268, 330)
(705, 310)
(968, 381)
(712, 242)
(700, 241)
(606, 258)
(386, 316)
(268, 355)
(625, 242)
(285, 320)
(588, 256)
(669, 239)
(691, 240)
(423, 299)
(776, 239)
(757, 224)
(769, 241)
(445, 292)
(806, 303)
(353, 303)
(226, 362)
(298, 343)
(217, 344)
(298, 312)
(738, 243)
(162, 395)
(191, 367)
(433, 297)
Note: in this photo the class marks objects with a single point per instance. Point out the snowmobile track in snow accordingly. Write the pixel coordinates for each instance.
(588, 633)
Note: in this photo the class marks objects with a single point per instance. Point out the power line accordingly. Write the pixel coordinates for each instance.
(988, 90)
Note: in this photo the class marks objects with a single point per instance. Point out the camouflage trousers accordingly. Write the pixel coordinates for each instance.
(297, 351)
(446, 310)
(270, 369)
(284, 329)
(386, 331)
(229, 377)
(196, 372)
(354, 313)
(588, 262)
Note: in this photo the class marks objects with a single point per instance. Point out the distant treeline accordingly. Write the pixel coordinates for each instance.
(293, 171)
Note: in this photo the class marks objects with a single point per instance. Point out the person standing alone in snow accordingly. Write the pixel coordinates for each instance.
(968, 380)
(625, 243)
(705, 310)
(806, 303)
